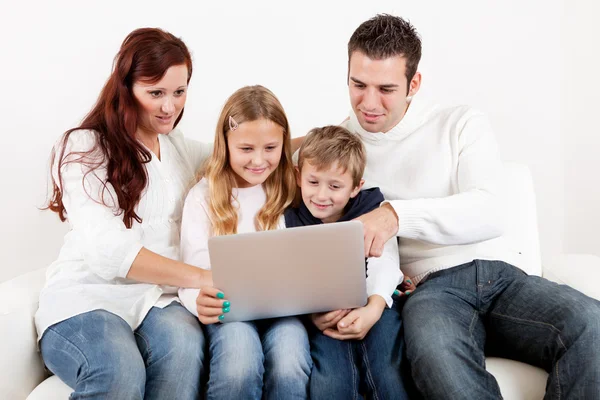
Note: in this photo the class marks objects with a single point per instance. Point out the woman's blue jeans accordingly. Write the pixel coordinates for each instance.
(100, 357)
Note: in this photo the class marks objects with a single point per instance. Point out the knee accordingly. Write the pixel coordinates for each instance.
(186, 346)
(295, 366)
(123, 372)
(287, 357)
(244, 371)
(584, 324)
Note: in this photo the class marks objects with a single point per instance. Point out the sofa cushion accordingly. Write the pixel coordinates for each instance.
(517, 380)
(51, 389)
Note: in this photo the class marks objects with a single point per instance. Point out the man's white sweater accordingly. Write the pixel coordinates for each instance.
(439, 169)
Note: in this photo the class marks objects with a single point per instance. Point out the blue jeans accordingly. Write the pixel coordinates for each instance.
(347, 369)
(244, 354)
(457, 316)
(98, 355)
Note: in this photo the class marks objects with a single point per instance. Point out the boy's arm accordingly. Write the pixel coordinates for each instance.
(383, 273)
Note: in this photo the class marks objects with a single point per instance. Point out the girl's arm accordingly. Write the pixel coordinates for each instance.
(208, 303)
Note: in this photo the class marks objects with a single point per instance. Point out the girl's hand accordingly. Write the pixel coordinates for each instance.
(211, 305)
(406, 287)
(329, 319)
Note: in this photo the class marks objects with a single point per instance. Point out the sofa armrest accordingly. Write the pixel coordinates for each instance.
(21, 367)
(580, 271)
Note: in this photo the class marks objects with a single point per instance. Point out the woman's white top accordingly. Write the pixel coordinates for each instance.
(91, 269)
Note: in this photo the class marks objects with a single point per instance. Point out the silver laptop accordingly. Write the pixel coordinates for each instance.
(290, 271)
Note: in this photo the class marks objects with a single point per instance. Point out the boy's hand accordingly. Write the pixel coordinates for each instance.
(211, 305)
(359, 321)
(329, 319)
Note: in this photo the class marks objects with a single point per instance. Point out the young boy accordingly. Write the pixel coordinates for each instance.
(354, 351)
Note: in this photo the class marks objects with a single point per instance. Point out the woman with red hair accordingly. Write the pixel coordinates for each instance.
(109, 322)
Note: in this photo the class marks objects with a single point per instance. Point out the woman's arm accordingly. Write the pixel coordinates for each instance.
(151, 267)
(107, 246)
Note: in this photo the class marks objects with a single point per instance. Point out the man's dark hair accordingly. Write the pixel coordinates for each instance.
(385, 36)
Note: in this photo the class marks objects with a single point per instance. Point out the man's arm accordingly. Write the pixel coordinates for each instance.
(471, 215)
(296, 143)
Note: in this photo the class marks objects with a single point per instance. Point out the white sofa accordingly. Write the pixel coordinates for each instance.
(22, 373)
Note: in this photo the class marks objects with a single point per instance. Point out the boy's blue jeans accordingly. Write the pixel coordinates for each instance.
(457, 316)
(268, 359)
(347, 369)
(98, 355)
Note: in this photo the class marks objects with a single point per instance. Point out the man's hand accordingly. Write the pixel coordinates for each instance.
(211, 305)
(359, 321)
(329, 319)
(379, 225)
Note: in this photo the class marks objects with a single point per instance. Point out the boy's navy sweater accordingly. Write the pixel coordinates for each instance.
(364, 202)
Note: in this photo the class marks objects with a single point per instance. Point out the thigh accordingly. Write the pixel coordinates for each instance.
(95, 353)
(445, 338)
(535, 320)
(172, 344)
(234, 348)
(335, 372)
(283, 340)
(384, 372)
(443, 315)
(287, 358)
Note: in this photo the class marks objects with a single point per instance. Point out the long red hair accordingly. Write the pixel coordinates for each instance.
(145, 55)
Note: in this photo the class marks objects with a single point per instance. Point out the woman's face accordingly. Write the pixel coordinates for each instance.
(160, 103)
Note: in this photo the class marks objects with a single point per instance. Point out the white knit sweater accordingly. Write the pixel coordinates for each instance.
(439, 168)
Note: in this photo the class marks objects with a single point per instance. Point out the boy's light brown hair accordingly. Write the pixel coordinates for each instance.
(330, 144)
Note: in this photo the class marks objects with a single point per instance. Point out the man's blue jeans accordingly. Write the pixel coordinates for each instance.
(243, 355)
(457, 316)
(347, 369)
(98, 355)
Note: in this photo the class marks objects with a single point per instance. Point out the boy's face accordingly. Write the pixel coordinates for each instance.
(326, 192)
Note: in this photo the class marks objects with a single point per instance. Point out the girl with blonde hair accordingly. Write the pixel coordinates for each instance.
(249, 181)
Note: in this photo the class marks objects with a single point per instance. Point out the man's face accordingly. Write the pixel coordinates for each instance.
(378, 91)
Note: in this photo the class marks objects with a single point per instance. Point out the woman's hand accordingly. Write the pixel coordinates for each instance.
(211, 305)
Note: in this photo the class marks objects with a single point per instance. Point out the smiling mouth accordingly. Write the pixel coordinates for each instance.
(370, 116)
(257, 171)
(165, 120)
(320, 206)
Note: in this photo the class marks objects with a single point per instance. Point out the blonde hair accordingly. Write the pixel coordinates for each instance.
(248, 104)
(330, 144)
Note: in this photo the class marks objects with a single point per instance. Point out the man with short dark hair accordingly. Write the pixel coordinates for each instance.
(438, 169)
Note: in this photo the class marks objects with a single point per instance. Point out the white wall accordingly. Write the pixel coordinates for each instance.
(581, 125)
(502, 57)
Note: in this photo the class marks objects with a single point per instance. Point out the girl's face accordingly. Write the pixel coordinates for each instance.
(160, 103)
(254, 151)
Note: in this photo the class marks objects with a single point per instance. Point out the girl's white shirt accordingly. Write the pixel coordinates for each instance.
(196, 227)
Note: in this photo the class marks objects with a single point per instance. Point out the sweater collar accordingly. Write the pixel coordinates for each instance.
(417, 113)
